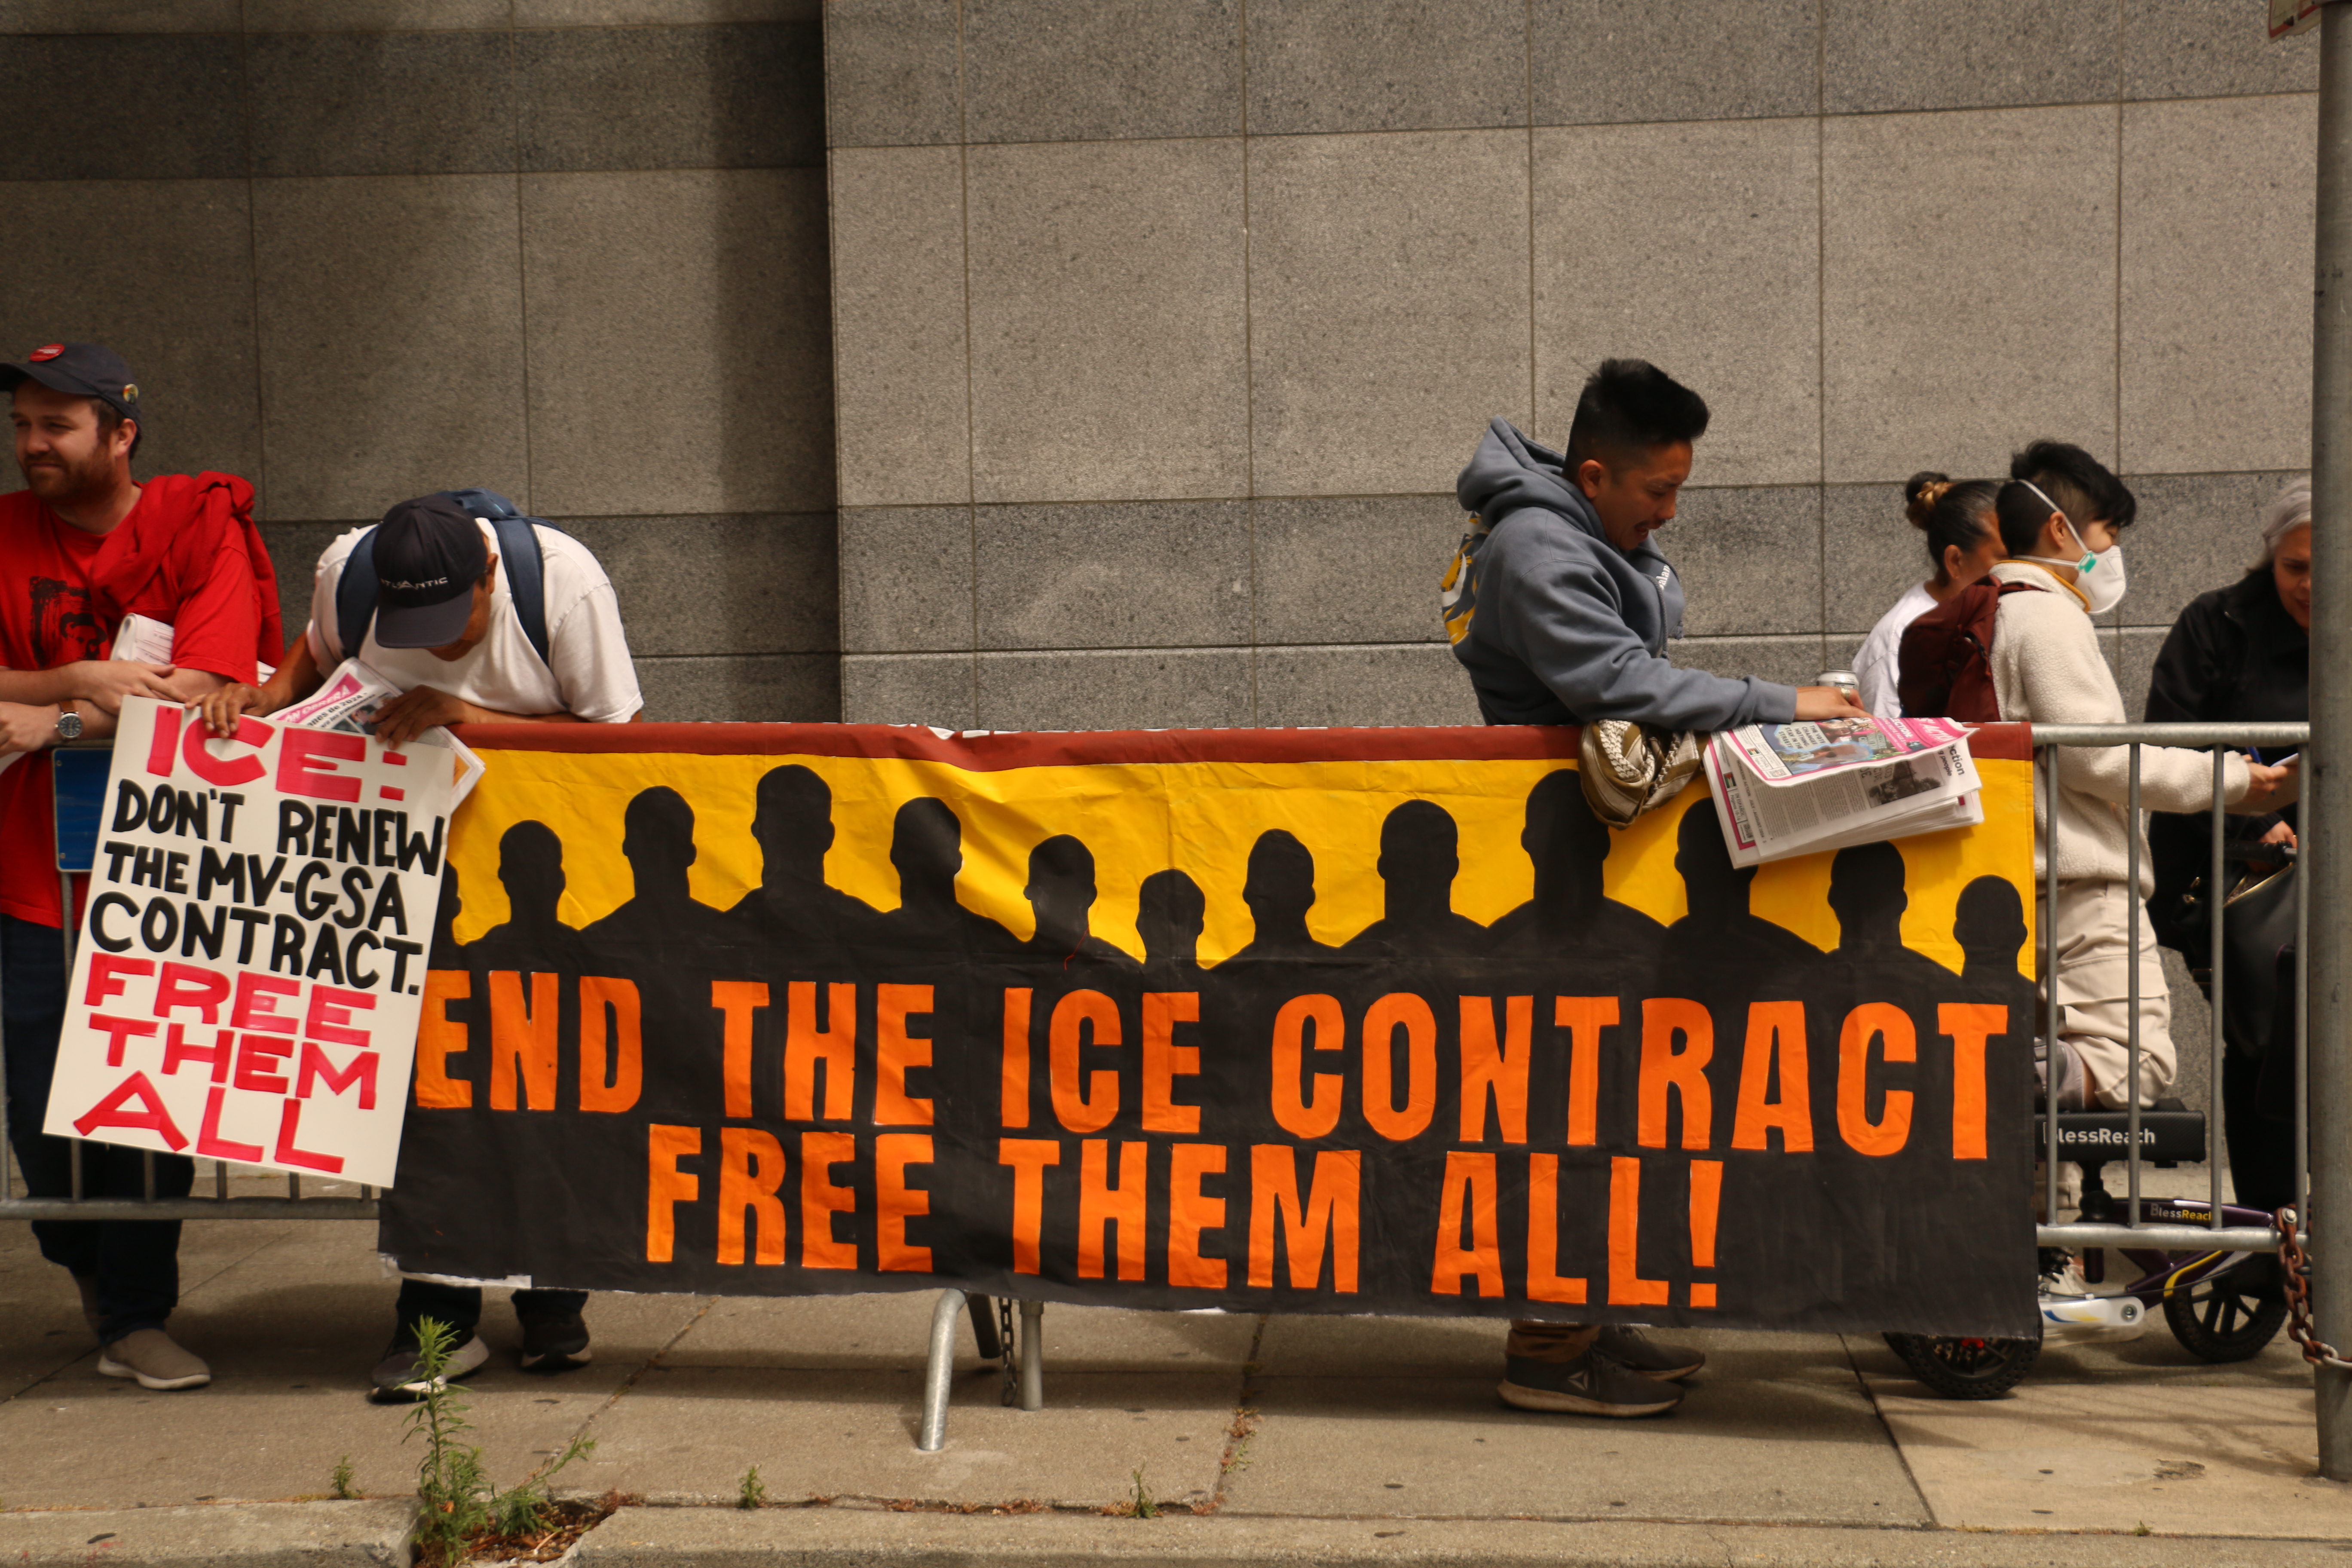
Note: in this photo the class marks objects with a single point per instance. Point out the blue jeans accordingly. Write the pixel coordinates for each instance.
(136, 1263)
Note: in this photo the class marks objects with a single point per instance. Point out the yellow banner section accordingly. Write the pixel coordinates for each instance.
(1201, 817)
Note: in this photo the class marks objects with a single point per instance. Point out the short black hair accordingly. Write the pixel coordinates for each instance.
(1630, 406)
(2083, 488)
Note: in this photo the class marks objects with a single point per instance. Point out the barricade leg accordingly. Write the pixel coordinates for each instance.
(1033, 1355)
(939, 1372)
(984, 1329)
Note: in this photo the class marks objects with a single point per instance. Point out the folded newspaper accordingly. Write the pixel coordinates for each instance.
(1802, 788)
(349, 699)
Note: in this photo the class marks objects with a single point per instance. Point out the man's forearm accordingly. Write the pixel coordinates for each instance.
(35, 688)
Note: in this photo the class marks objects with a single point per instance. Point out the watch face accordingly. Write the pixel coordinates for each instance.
(69, 725)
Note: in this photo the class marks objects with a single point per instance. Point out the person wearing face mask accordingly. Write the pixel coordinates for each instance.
(2238, 654)
(1962, 544)
(2047, 670)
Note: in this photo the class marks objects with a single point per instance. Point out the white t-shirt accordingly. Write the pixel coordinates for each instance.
(587, 673)
(1879, 666)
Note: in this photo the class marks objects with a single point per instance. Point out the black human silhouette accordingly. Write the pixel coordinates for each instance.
(449, 953)
(1718, 928)
(1990, 926)
(1867, 897)
(1061, 891)
(1279, 890)
(658, 839)
(926, 848)
(1170, 914)
(530, 864)
(793, 821)
(1570, 908)
(1420, 857)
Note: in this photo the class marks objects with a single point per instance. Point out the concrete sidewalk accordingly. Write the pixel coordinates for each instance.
(1289, 1440)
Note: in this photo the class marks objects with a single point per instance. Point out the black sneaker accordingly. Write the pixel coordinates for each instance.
(395, 1381)
(1594, 1384)
(554, 1344)
(1639, 1353)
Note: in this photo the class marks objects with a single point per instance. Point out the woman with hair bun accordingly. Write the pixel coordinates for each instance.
(1962, 544)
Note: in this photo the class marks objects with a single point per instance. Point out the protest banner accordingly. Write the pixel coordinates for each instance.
(252, 947)
(1372, 1021)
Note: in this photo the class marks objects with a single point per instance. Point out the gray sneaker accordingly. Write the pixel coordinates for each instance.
(394, 1379)
(1639, 1353)
(1594, 1384)
(151, 1356)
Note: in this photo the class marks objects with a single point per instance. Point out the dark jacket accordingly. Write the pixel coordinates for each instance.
(2235, 655)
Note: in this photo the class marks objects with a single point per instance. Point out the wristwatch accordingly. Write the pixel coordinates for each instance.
(69, 724)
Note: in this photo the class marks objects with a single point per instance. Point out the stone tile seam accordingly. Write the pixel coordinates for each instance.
(1205, 649)
(419, 175)
(1592, 124)
(499, 28)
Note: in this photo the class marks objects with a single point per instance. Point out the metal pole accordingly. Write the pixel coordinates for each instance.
(2048, 757)
(2328, 789)
(2134, 827)
(939, 1372)
(2217, 899)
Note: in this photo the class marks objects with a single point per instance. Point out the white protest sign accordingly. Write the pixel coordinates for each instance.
(246, 987)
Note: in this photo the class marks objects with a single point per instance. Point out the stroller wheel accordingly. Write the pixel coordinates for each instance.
(2228, 1315)
(1966, 1369)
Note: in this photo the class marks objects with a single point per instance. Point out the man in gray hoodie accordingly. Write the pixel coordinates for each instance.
(1559, 608)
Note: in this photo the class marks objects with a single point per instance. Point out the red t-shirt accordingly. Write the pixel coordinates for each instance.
(187, 555)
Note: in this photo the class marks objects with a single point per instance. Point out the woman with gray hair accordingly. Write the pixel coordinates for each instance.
(2236, 655)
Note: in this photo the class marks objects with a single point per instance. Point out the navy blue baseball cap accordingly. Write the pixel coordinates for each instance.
(429, 554)
(79, 370)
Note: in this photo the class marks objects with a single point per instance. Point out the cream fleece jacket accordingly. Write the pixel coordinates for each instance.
(2046, 669)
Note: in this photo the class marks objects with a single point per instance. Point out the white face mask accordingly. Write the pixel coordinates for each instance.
(2098, 574)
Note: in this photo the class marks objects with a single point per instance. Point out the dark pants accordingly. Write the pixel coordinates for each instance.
(136, 1263)
(2262, 1150)
(460, 1306)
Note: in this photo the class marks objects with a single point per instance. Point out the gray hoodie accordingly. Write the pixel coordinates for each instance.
(1556, 626)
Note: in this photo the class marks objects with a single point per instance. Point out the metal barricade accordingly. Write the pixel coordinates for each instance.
(2136, 1230)
(78, 776)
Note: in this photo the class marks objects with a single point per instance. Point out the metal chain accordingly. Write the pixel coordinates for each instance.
(2295, 1264)
(1008, 1360)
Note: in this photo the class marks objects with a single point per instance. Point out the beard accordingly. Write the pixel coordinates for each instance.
(59, 479)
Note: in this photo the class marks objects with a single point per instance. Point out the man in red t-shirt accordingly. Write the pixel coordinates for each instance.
(81, 547)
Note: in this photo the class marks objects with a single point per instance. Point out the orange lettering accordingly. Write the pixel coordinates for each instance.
(896, 1203)
(1626, 1285)
(1013, 1104)
(1101, 1203)
(1874, 1020)
(625, 1065)
(1164, 1062)
(895, 1051)
(1683, 1072)
(1381, 1020)
(1969, 1025)
(1315, 1113)
(737, 1000)
(821, 1200)
(1190, 1213)
(1470, 1184)
(805, 1045)
(1776, 1044)
(1028, 1157)
(522, 1037)
(751, 1169)
(1075, 1015)
(1583, 1017)
(1499, 1069)
(1543, 1283)
(666, 1186)
(1328, 1214)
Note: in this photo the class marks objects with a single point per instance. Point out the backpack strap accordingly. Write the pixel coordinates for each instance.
(520, 553)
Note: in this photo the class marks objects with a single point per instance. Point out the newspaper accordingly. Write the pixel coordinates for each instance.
(350, 699)
(1806, 787)
(150, 642)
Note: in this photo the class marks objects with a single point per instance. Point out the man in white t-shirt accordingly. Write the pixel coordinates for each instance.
(445, 630)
